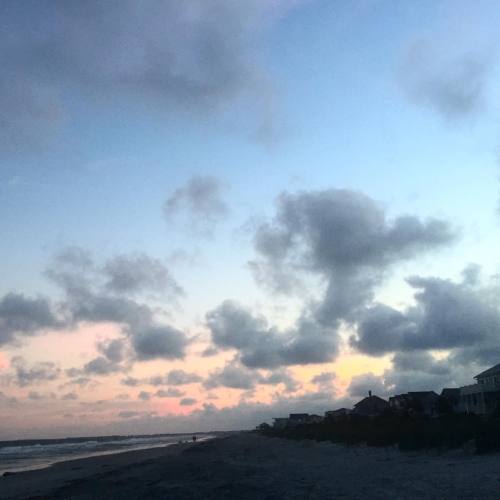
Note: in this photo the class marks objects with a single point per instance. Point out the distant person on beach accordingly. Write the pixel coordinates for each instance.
(194, 439)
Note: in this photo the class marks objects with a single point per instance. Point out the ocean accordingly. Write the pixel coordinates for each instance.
(16, 456)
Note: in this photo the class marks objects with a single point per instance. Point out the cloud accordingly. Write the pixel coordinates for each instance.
(39, 372)
(361, 384)
(345, 238)
(323, 378)
(70, 396)
(181, 377)
(281, 376)
(131, 381)
(81, 381)
(237, 376)
(187, 402)
(23, 316)
(232, 375)
(144, 395)
(244, 415)
(122, 396)
(102, 366)
(127, 414)
(167, 56)
(451, 84)
(35, 396)
(132, 274)
(171, 392)
(159, 342)
(325, 381)
(7, 399)
(448, 315)
(88, 298)
(201, 200)
(113, 350)
(173, 377)
(261, 346)
(420, 371)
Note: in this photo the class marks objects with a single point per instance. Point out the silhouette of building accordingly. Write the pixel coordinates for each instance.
(370, 406)
(297, 419)
(483, 397)
(280, 422)
(416, 402)
(449, 400)
(336, 414)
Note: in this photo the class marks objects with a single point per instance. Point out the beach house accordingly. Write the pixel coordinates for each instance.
(337, 414)
(416, 402)
(370, 406)
(483, 397)
(449, 400)
(280, 422)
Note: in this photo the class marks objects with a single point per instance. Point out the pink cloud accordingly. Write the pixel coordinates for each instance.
(4, 362)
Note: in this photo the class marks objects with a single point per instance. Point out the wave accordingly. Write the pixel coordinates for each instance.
(32, 454)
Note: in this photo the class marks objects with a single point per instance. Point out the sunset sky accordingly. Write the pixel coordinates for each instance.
(215, 212)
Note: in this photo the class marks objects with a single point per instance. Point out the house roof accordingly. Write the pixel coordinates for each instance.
(494, 370)
(298, 415)
(422, 394)
(370, 399)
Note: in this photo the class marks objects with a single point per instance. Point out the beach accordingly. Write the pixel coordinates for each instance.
(248, 466)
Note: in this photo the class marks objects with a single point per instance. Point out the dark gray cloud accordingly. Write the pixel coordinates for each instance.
(81, 381)
(420, 371)
(233, 376)
(261, 346)
(25, 375)
(165, 56)
(201, 200)
(131, 381)
(345, 238)
(70, 396)
(171, 392)
(237, 376)
(324, 377)
(100, 294)
(187, 402)
(453, 86)
(144, 395)
(325, 382)
(281, 376)
(102, 366)
(173, 377)
(23, 316)
(361, 384)
(462, 316)
(138, 273)
(114, 350)
(181, 377)
(159, 342)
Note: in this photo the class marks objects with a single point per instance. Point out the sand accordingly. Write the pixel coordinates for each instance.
(247, 466)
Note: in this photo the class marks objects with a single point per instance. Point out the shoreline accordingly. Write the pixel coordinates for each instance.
(249, 466)
(42, 481)
(96, 454)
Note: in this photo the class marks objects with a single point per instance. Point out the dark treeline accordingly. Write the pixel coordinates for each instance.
(404, 431)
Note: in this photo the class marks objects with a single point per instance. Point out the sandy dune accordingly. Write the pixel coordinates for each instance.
(247, 466)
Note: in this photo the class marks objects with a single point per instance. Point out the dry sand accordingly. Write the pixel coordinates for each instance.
(247, 466)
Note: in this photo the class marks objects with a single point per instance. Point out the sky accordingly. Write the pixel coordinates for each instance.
(216, 212)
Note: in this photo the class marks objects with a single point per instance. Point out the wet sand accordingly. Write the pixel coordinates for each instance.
(247, 466)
